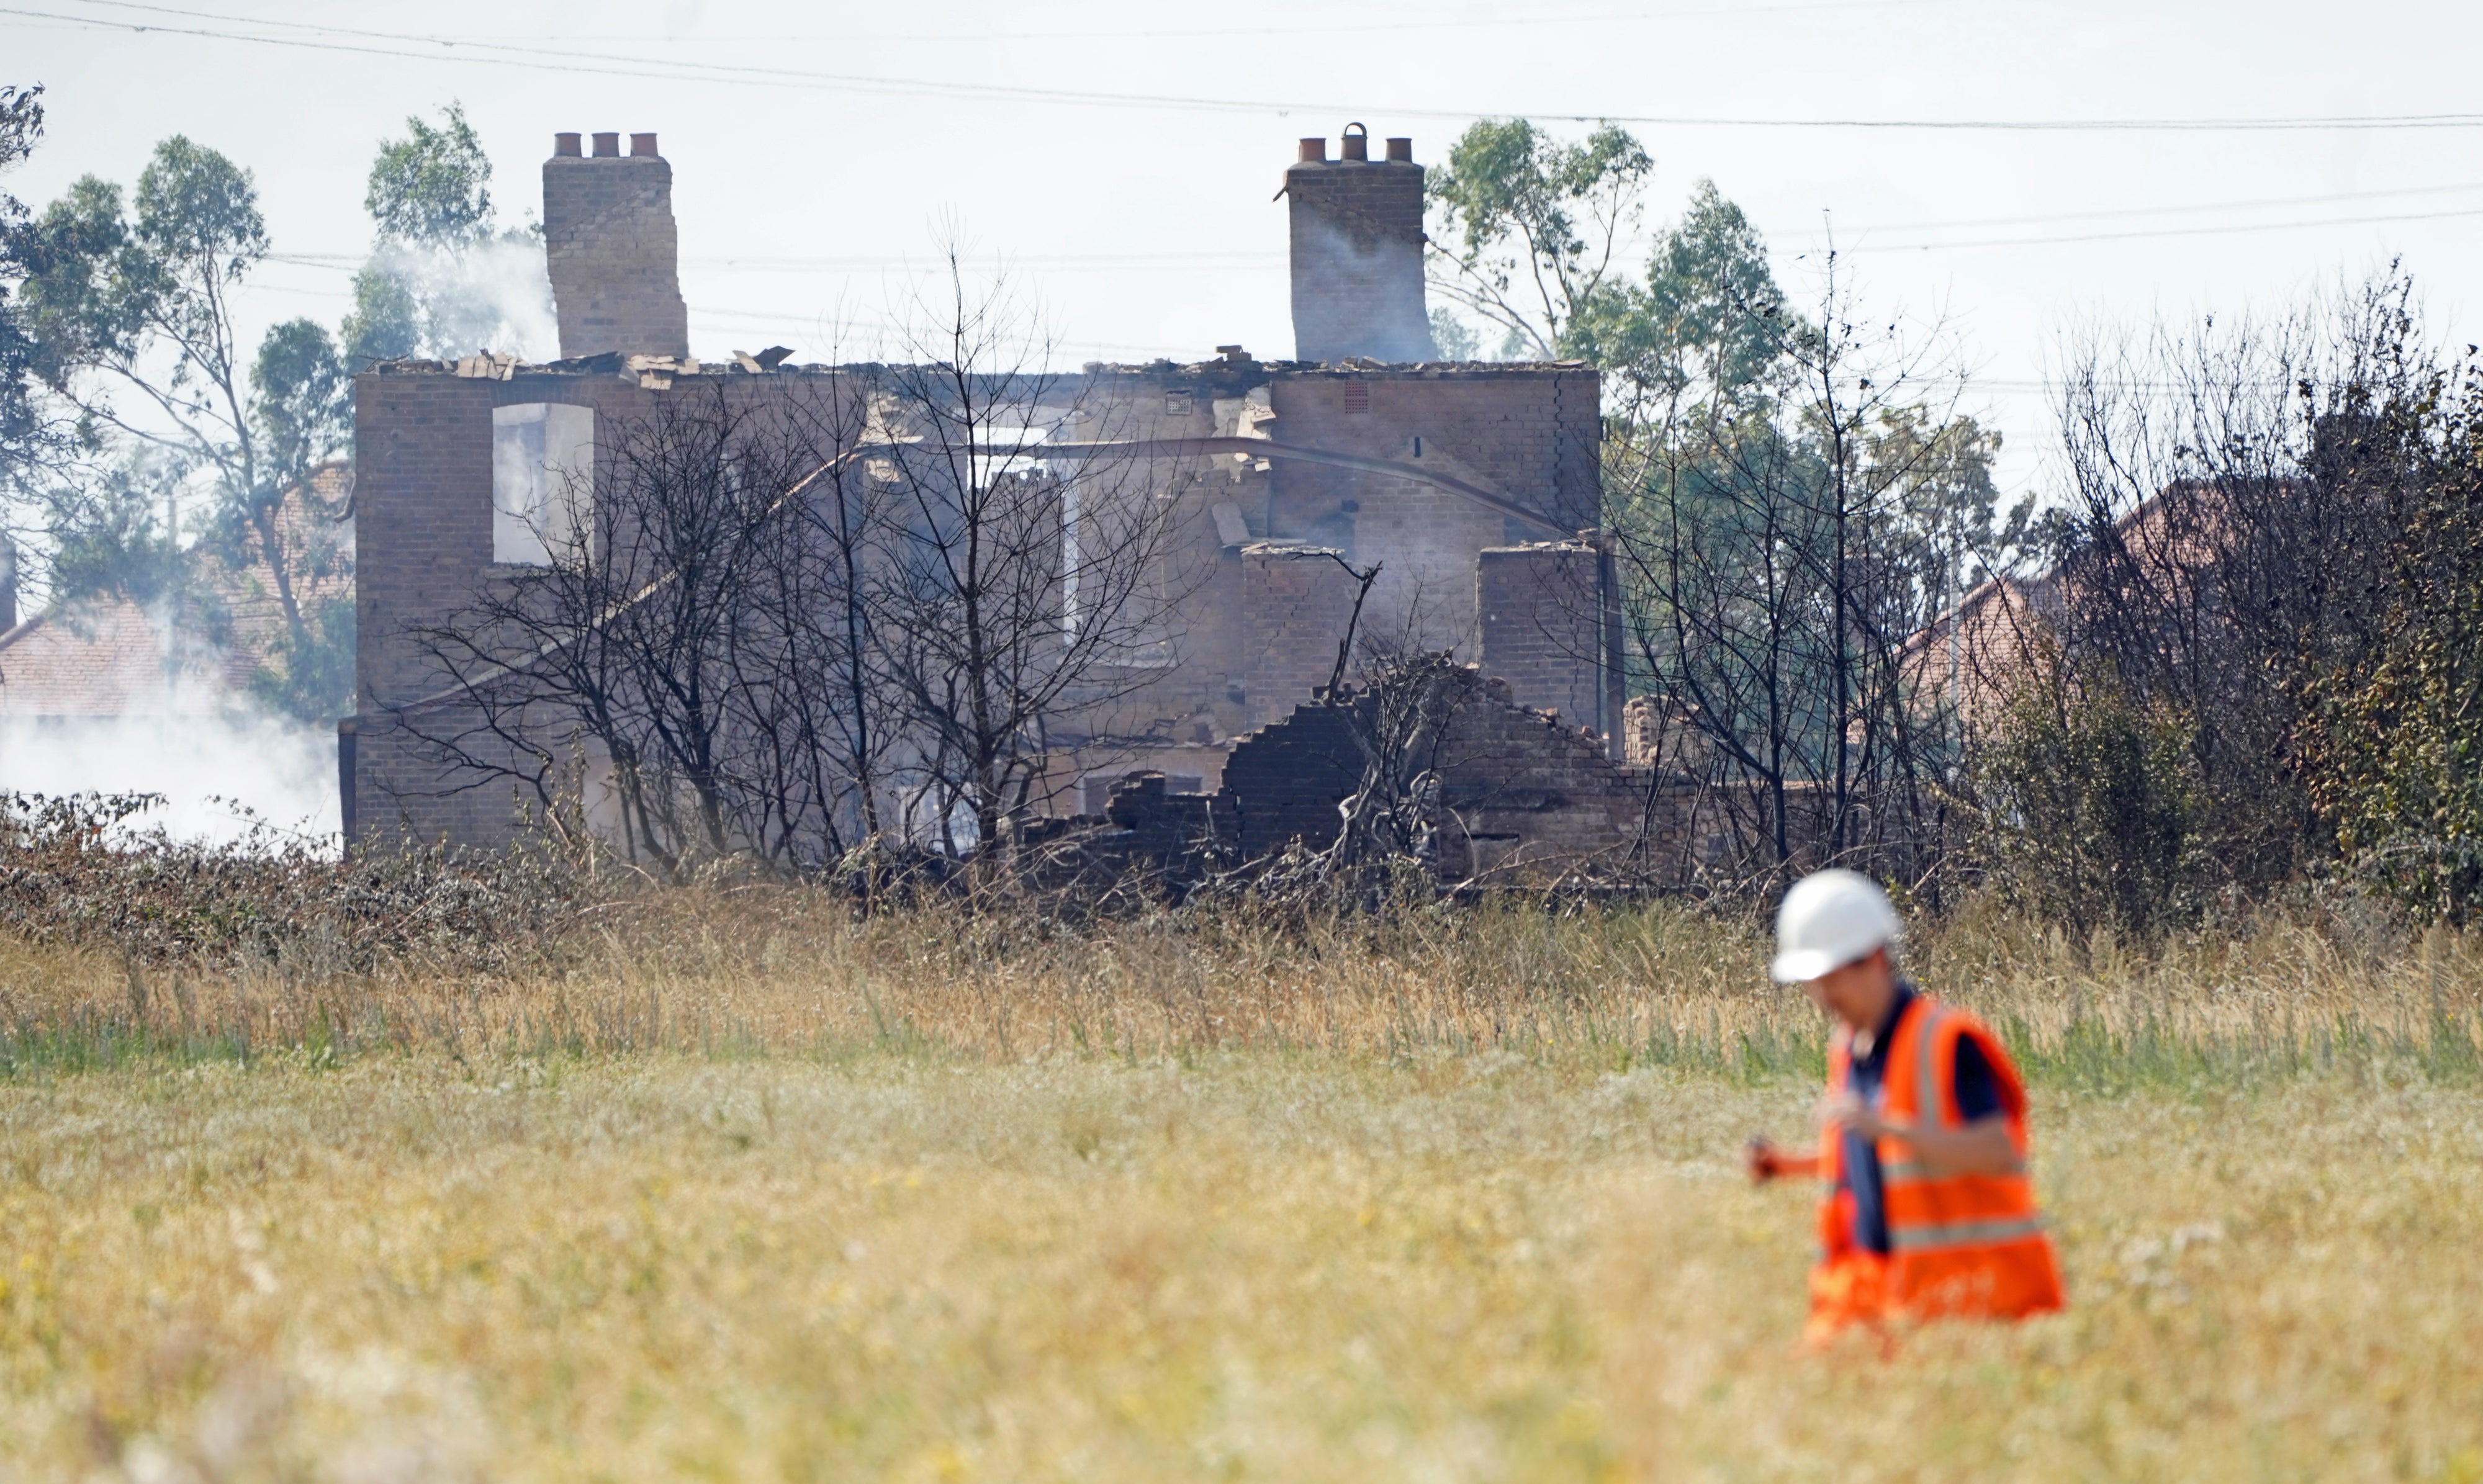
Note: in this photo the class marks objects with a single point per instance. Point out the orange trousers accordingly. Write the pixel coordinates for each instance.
(1849, 1288)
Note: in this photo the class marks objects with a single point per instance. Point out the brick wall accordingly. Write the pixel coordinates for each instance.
(1524, 798)
(1258, 623)
(1295, 601)
(1538, 610)
(1283, 781)
(1508, 430)
(1664, 738)
(614, 252)
(1524, 793)
(423, 511)
(1521, 793)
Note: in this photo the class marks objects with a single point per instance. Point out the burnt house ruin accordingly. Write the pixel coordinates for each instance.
(1473, 488)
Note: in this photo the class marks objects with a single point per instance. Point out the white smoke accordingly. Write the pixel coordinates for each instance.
(219, 774)
(493, 295)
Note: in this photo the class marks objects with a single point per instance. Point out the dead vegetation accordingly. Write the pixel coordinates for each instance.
(74, 873)
(115, 953)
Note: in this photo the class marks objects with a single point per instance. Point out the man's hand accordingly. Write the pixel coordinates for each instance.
(1848, 1112)
(1767, 1162)
(1980, 1148)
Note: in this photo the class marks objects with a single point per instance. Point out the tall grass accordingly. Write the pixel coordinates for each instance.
(734, 1185)
(785, 973)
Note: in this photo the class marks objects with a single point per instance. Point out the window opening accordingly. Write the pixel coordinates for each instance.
(543, 474)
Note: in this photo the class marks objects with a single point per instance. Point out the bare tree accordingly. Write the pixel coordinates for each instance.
(679, 640)
(791, 614)
(1024, 594)
(1781, 539)
(2224, 542)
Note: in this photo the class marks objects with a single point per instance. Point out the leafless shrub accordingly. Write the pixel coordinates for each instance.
(74, 872)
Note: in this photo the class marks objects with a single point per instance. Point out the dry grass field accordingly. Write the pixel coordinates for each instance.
(745, 1189)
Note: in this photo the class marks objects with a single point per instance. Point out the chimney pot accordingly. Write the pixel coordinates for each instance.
(1401, 150)
(1315, 149)
(643, 145)
(565, 143)
(608, 146)
(1357, 143)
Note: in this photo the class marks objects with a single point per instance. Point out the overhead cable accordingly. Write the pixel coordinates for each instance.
(436, 49)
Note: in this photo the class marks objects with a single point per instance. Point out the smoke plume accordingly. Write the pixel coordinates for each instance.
(219, 774)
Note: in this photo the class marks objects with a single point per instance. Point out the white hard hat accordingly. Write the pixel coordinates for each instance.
(1829, 919)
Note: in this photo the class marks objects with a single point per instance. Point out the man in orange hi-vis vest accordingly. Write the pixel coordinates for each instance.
(1925, 1206)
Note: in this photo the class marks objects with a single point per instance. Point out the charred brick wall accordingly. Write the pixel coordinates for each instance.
(1295, 602)
(1520, 793)
(423, 455)
(1246, 648)
(423, 513)
(1539, 607)
(1523, 792)
(1523, 799)
(1283, 782)
(1260, 618)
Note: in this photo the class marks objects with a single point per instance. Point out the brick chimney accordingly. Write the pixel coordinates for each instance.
(1358, 252)
(612, 248)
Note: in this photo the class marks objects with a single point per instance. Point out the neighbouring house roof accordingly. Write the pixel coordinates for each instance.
(107, 655)
(1974, 646)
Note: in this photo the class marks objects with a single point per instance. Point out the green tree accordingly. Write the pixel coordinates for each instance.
(302, 404)
(301, 395)
(386, 321)
(1455, 338)
(1533, 230)
(26, 435)
(2092, 802)
(134, 322)
(110, 529)
(1711, 321)
(1786, 507)
(433, 185)
(2397, 745)
(443, 278)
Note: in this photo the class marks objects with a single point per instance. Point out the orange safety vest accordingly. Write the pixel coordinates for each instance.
(1968, 1245)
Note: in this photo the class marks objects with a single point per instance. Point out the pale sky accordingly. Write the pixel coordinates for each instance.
(1122, 156)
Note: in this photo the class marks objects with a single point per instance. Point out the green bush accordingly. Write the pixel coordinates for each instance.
(2091, 814)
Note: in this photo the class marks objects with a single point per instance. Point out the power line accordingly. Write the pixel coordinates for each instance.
(1393, 27)
(1197, 262)
(2164, 211)
(1229, 260)
(2178, 231)
(339, 262)
(545, 59)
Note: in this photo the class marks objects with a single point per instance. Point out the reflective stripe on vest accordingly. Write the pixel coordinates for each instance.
(1963, 1234)
(1930, 1092)
(1908, 1172)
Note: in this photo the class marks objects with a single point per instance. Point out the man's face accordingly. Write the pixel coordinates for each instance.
(1858, 992)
